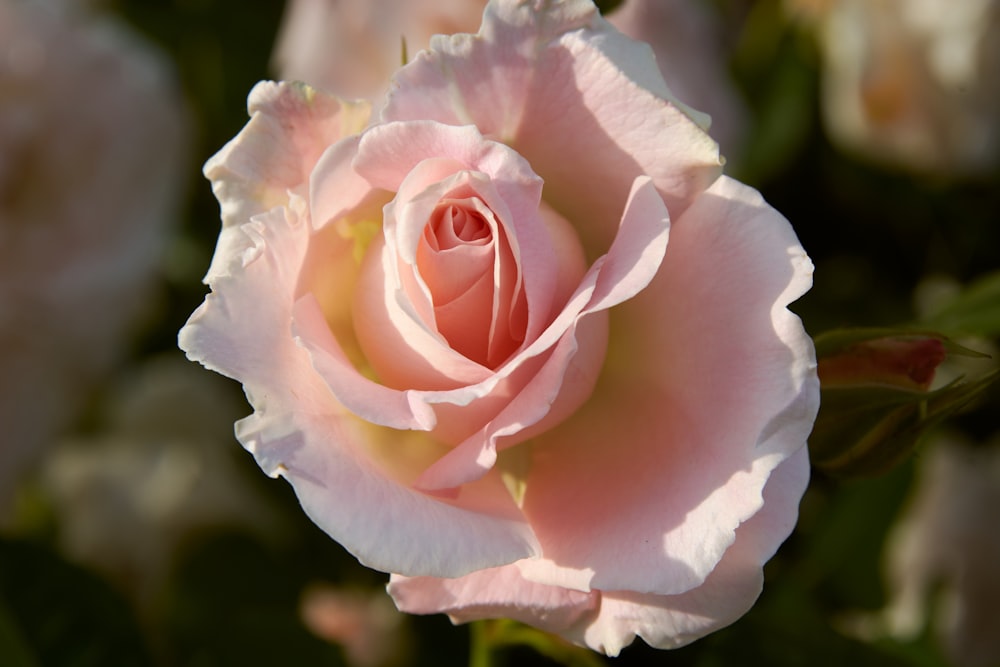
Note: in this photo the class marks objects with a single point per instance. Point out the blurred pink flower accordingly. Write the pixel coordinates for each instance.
(912, 83)
(92, 136)
(474, 354)
(363, 622)
(352, 47)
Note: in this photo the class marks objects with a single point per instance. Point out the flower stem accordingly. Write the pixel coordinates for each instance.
(480, 649)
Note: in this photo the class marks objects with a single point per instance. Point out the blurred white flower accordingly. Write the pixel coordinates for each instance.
(943, 556)
(352, 47)
(913, 83)
(92, 140)
(162, 467)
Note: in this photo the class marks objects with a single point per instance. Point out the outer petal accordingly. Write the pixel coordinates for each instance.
(290, 126)
(491, 594)
(584, 104)
(299, 431)
(709, 385)
(686, 38)
(607, 621)
(729, 591)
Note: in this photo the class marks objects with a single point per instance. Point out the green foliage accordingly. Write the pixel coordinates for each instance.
(875, 404)
(973, 311)
(233, 601)
(607, 6)
(54, 614)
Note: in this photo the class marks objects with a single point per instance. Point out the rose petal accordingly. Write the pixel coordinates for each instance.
(687, 41)
(327, 453)
(369, 400)
(489, 594)
(607, 621)
(421, 357)
(576, 98)
(389, 153)
(321, 456)
(630, 264)
(290, 126)
(643, 488)
(336, 190)
(728, 592)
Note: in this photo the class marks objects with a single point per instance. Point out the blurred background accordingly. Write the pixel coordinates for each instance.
(135, 530)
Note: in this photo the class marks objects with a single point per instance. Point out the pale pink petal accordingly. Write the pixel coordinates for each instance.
(290, 126)
(465, 395)
(393, 331)
(493, 593)
(728, 592)
(630, 264)
(411, 532)
(247, 317)
(336, 190)
(686, 38)
(452, 270)
(607, 621)
(709, 384)
(365, 398)
(331, 457)
(388, 153)
(562, 384)
(585, 105)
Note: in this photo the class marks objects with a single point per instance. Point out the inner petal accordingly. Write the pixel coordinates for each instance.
(469, 268)
(456, 251)
(454, 226)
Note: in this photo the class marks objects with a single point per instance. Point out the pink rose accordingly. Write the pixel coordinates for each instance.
(93, 137)
(476, 357)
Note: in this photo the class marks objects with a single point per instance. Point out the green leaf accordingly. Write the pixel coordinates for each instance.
(13, 646)
(875, 400)
(835, 341)
(865, 431)
(974, 311)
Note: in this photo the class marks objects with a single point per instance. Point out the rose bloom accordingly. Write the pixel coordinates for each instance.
(514, 338)
(92, 140)
(912, 83)
(352, 47)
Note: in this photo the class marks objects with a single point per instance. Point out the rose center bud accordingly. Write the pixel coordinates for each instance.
(468, 265)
